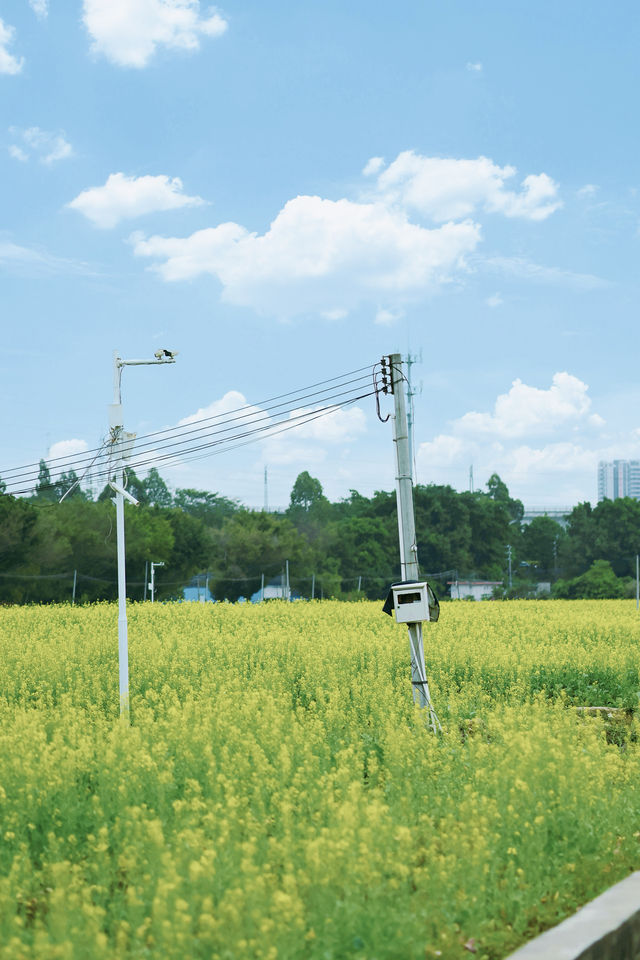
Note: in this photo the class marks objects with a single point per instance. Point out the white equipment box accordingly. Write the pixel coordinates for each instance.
(411, 602)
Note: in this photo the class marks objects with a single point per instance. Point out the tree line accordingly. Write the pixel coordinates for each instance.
(346, 549)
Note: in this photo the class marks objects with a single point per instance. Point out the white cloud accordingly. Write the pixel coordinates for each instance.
(40, 8)
(495, 300)
(525, 410)
(46, 146)
(545, 443)
(66, 448)
(474, 67)
(232, 404)
(373, 166)
(307, 442)
(8, 63)
(387, 318)
(17, 153)
(318, 255)
(449, 189)
(122, 198)
(299, 436)
(128, 32)
(589, 190)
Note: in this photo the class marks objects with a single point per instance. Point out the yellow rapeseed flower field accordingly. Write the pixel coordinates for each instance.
(278, 796)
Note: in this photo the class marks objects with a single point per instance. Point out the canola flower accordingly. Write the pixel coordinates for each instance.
(278, 795)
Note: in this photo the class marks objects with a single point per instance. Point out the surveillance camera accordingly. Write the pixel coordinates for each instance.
(166, 354)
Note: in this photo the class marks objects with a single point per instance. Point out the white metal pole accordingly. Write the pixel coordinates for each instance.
(116, 422)
(288, 587)
(123, 640)
(75, 580)
(153, 581)
(262, 588)
(407, 531)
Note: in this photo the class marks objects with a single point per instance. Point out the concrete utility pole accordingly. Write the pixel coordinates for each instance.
(407, 531)
(122, 445)
(411, 360)
(509, 561)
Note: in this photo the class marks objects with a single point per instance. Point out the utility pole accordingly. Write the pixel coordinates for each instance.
(121, 447)
(152, 585)
(266, 492)
(509, 562)
(75, 580)
(471, 479)
(637, 581)
(407, 532)
(262, 588)
(287, 588)
(411, 360)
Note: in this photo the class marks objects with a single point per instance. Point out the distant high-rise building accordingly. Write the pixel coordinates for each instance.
(618, 478)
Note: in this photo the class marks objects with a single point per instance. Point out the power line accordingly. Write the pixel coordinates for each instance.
(232, 442)
(70, 460)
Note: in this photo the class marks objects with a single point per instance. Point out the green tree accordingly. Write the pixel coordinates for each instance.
(499, 491)
(599, 582)
(156, 491)
(18, 548)
(211, 508)
(306, 491)
(542, 541)
(250, 544)
(45, 488)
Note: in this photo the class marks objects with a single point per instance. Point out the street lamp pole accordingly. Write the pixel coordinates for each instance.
(153, 579)
(122, 444)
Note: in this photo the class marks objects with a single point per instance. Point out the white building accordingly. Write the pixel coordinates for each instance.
(618, 478)
(473, 589)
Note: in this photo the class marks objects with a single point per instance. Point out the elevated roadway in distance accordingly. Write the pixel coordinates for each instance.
(559, 514)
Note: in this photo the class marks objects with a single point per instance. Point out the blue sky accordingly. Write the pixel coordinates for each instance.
(286, 192)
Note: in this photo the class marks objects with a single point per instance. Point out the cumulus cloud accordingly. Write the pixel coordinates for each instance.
(46, 146)
(122, 198)
(373, 166)
(128, 32)
(545, 443)
(66, 448)
(308, 441)
(448, 189)
(8, 62)
(318, 255)
(300, 436)
(525, 410)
